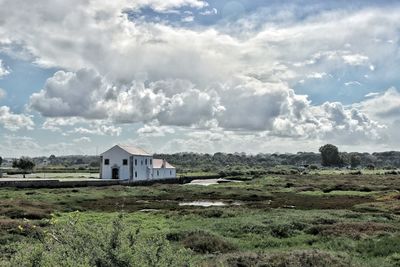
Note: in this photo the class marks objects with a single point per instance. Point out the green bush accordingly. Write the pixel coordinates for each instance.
(74, 243)
(313, 167)
(380, 247)
(286, 230)
(309, 258)
(204, 242)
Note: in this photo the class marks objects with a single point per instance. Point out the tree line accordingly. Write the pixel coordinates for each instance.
(329, 156)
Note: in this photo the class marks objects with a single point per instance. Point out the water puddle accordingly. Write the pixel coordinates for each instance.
(149, 210)
(207, 182)
(203, 203)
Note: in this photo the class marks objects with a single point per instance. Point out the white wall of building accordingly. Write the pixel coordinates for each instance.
(142, 168)
(164, 173)
(115, 156)
(138, 168)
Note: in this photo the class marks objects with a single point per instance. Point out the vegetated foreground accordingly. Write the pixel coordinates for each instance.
(275, 220)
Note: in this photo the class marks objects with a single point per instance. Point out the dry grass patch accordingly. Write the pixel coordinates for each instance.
(19, 209)
(355, 230)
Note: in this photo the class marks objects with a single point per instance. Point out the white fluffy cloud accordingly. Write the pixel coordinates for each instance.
(55, 124)
(4, 70)
(98, 129)
(154, 129)
(123, 71)
(14, 122)
(164, 6)
(69, 94)
(385, 106)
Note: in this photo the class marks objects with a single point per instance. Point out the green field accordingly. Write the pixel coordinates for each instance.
(327, 219)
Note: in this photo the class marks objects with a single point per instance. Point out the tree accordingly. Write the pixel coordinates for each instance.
(355, 160)
(330, 155)
(1, 162)
(24, 164)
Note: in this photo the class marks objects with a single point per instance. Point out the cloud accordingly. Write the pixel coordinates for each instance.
(3, 93)
(28, 146)
(68, 94)
(154, 129)
(8, 145)
(353, 83)
(188, 19)
(355, 59)
(4, 70)
(372, 94)
(209, 12)
(234, 77)
(240, 104)
(14, 122)
(96, 128)
(164, 6)
(385, 107)
(83, 139)
(317, 75)
(55, 124)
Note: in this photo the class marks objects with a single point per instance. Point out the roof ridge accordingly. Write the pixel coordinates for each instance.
(134, 149)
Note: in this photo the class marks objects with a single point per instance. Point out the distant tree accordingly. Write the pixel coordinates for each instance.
(94, 164)
(1, 162)
(330, 155)
(24, 164)
(355, 160)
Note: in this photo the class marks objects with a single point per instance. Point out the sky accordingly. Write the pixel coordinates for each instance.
(79, 76)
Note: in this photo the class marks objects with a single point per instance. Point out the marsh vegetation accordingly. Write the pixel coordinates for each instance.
(314, 219)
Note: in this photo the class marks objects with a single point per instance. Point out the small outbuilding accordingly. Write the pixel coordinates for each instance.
(127, 162)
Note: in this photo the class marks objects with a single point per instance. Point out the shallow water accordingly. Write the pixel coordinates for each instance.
(203, 203)
(207, 203)
(207, 182)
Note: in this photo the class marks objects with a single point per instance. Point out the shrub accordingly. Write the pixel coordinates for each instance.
(371, 167)
(380, 247)
(204, 242)
(309, 258)
(389, 168)
(282, 230)
(74, 243)
(212, 213)
(313, 167)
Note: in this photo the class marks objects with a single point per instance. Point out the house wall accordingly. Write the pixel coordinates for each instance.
(164, 173)
(116, 156)
(143, 170)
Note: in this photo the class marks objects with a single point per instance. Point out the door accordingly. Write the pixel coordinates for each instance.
(115, 173)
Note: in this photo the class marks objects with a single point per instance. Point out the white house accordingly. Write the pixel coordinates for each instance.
(126, 162)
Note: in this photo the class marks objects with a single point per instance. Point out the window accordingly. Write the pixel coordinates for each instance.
(145, 161)
(135, 162)
(124, 162)
(141, 162)
(106, 162)
(158, 173)
(170, 172)
(151, 161)
(135, 174)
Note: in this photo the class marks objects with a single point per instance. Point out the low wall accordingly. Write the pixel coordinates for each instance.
(60, 183)
(54, 183)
